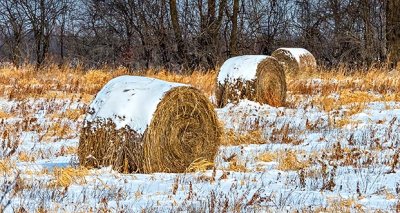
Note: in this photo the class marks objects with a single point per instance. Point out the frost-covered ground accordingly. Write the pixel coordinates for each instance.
(304, 157)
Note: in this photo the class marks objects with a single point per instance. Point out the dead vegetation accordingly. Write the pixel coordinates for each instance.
(365, 158)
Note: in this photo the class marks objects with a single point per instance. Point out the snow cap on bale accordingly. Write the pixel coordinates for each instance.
(139, 124)
(129, 101)
(295, 59)
(255, 77)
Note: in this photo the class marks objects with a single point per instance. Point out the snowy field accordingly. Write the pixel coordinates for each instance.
(323, 152)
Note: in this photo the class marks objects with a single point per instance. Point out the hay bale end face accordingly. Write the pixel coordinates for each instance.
(139, 124)
(295, 60)
(254, 77)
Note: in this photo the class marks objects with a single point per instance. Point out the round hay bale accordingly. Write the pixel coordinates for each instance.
(145, 125)
(295, 60)
(254, 77)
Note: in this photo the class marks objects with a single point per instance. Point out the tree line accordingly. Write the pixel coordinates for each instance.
(184, 35)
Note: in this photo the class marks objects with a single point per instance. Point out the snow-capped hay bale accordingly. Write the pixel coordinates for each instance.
(295, 60)
(139, 124)
(254, 77)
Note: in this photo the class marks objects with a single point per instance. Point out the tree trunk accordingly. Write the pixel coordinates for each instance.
(62, 32)
(368, 33)
(211, 32)
(393, 32)
(234, 38)
(40, 40)
(177, 30)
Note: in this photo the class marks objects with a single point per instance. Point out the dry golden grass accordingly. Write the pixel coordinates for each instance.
(64, 177)
(200, 165)
(5, 115)
(374, 79)
(6, 165)
(268, 157)
(25, 157)
(74, 114)
(230, 137)
(71, 114)
(55, 82)
(237, 167)
(58, 130)
(350, 98)
(339, 204)
(289, 161)
(354, 88)
(69, 150)
(52, 82)
(205, 81)
(33, 172)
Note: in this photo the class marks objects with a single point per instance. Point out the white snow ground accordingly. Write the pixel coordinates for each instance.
(362, 182)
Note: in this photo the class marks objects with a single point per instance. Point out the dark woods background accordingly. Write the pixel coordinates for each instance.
(195, 34)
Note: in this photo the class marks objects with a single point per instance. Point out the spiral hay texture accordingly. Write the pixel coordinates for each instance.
(254, 77)
(295, 60)
(145, 125)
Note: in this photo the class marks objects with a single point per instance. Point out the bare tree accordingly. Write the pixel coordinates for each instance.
(177, 30)
(267, 25)
(234, 37)
(393, 31)
(12, 23)
(41, 17)
(210, 25)
(184, 35)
